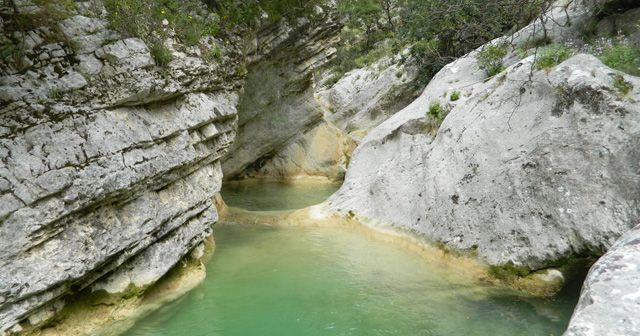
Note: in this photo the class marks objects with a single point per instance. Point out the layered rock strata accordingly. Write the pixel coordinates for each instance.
(108, 164)
(278, 102)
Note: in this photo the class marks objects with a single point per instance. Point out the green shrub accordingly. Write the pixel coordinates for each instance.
(436, 114)
(623, 57)
(190, 19)
(161, 54)
(547, 59)
(621, 86)
(214, 53)
(442, 31)
(455, 95)
(490, 58)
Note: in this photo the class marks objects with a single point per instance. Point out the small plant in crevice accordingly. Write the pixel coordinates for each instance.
(55, 93)
(547, 59)
(436, 114)
(87, 77)
(490, 58)
(214, 54)
(455, 95)
(161, 54)
(621, 86)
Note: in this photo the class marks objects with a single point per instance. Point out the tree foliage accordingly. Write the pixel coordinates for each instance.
(441, 31)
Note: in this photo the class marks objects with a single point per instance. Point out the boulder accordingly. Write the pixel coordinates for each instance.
(505, 177)
(610, 298)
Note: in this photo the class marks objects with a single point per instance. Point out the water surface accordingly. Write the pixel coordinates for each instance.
(276, 195)
(267, 280)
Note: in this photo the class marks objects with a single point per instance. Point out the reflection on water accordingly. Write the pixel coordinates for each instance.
(267, 280)
(335, 281)
(276, 195)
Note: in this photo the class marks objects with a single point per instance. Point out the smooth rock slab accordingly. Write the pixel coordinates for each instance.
(610, 299)
(529, 168)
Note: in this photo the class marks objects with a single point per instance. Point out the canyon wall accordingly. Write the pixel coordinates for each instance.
(529, 168)
(110, 159)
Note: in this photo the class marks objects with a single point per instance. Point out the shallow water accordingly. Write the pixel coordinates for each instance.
(276, 195)
(267, 280)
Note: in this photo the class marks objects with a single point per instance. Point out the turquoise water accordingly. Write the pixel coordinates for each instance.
(266, 280)
(276, 195)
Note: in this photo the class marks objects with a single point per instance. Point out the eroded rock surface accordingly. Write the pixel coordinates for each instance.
(278, 103)
(611, 293)
(505, 176)
(363, 98)
(322, 151)
(108, 166)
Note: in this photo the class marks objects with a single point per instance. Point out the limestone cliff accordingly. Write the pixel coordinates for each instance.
(529, 168)
(107, 166)
(278, 103)
(110, 158)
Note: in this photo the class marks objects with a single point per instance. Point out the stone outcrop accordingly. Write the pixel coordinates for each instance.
(322, 151)
(611, 293)
(108, 164)
(528, 168)
(278, 102)
(363, 98)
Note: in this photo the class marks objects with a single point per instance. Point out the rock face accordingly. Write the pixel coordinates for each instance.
(610, 295)
(108, 167)
(278, 103)
(363, 98)
(505, 176)
(321, 152)
(109, 163)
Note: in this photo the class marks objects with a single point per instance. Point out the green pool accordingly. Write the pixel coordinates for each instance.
(267, 280)
(276, 195)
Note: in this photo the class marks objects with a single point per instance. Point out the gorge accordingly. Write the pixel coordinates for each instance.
(114, 146)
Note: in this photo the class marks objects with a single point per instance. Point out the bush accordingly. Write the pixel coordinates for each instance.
(214, 53)
(547, 59)
(442, 31)
(161, 54)
(490, 58)
(436, 114)
(617, 53)
(143, 18)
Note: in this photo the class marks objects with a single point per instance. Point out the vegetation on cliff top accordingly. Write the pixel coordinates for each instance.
(436, 32)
